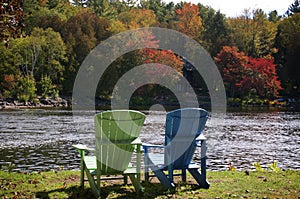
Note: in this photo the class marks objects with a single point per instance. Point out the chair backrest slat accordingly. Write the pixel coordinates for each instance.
(114, 131)
(182, 127)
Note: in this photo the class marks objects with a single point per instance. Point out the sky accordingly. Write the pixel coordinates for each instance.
(233, 8)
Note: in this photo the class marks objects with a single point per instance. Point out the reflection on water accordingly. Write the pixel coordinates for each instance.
(42, 139)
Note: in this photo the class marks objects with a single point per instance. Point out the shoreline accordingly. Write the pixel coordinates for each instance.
(39, 103)
(63, 102)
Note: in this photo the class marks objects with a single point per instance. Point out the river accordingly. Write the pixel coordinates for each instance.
(41, 139)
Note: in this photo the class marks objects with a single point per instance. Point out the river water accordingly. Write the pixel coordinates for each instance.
(36, 140)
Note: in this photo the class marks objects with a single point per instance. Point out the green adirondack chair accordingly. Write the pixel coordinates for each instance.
(116, 138)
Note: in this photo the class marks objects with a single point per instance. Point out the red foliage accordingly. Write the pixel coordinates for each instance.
(166, 57)
(267, 69)
(246, 76)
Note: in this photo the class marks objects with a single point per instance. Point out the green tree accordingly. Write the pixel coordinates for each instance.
(48, 14)
(26, 89)
(52, 58)
(288, 56)
(103, 8)
(165, 12)
(216, 30)
(253, 33)
(47, 88)
(274, 17)
(294, 8)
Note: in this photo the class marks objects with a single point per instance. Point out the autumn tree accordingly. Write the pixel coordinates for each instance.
(189, 21)
(265, 83)
(12, 19)
(81, 33)
(247, 77)
(231, 64)
(166, 57)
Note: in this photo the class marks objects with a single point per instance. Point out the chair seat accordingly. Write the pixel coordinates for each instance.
(158, 160)
(91, 164)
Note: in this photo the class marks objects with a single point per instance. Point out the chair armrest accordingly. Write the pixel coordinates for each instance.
(200, 137)
(146, 146)
(82, 147)
(152, 145)
(137, 141)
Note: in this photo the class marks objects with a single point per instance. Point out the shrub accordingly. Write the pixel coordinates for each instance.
(26, 89)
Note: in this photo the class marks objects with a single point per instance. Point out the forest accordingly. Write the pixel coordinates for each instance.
(44, 43)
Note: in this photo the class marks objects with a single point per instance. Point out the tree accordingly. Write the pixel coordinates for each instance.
(26, 89)
(47, 14)
(138, 18)
(216, 30)
(47, 88)
(267, 84)
(52, 58)
(42, 53)
(165, 57)
(254, 35)
(103, 8)
(189, 21)
(247, 77)
(231, 64)
(273, 16)
(288, 56)
(81, 33)
(294, 8)
(12, 20)
(165, 12)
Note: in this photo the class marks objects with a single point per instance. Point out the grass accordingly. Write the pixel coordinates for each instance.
(224, 184)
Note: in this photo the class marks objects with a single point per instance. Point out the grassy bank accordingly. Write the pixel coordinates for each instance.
(225, 184)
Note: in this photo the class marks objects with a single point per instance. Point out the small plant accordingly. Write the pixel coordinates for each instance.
(231, 167)
(258, 167)
(26, 88)
(273, 167)
(47, 87)
(10, 167)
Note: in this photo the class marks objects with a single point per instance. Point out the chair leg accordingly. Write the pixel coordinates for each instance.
(183, 175)
(201, 180)
(95, 189)
(82, 167)
(146, 169)
(125, 178)
(163, 178)
(136, 183)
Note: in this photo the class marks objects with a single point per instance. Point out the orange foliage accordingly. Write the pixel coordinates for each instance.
(166, 57)
(190, 23)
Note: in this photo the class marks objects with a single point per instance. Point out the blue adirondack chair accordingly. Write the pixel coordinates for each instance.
(182, 136)
(116, 138)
